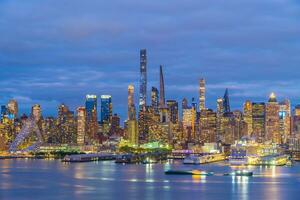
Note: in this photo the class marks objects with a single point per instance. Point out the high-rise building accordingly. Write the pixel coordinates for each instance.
(66, 129)
(12, 108)
(247, 117)
(36, 112)
(115, 126)
(155, 99)
(202, 94)
(106, 109)
(91, 116)
(132, 128)
(173, 111)
(258, 120)
(143, 79)
(285, 120)
(162, 88)
(131, 106)
(81, 125)
(296, 121)
(208, 126)
(184, 103)
(226, 103)
(272, 120)
(188, 123)
(220, 113)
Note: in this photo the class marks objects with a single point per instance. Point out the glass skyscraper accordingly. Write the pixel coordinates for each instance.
(106, 108)
(143, 79)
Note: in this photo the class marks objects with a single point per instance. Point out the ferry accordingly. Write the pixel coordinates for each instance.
(127, 159)
(238, 157)
(191, 172)
(191, 160)
(212, 158)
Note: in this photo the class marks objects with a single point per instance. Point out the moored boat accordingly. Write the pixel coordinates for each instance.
(188, 172)
(239, 173)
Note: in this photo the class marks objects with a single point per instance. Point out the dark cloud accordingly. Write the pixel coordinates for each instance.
(59, 50)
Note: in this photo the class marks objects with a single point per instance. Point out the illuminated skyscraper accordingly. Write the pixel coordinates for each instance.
(81, 125)
(12, 108)
(131, 106)
(36, 112)
(202, 94)
(143, 79)
(65, 125)
(285, 120)
(247, 117)
(258, 120)
(272, 120)
(106, 108)
(162, 88)
(91, 116)
(220, 113)
(296, 121)
(226, 103)
(208, 126)
(184, 103)
(188, 123)
(173, 111)
(132, 124)
(154, 99)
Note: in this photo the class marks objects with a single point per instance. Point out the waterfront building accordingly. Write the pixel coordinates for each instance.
(132, 129)
(202, 94)
(226, 104)
(12, 109)
(81, 125)
(143, 79)
(106, 108)
(173, 111)
(155, 99)
(258, 120)
(247, 117)
(272, 120)
(285, 120)
(91, 116)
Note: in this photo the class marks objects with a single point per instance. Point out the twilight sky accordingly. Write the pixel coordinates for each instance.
(55, 51)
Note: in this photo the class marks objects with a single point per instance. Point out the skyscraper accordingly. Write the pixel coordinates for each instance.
(131, 106)
(106, 108)
(12, 108)
(226, 103)
(220, 113)
(202, 94)
(154, 99)
(36, 112)
(143, 79)
(132, 125)
(285, 119)
(184, 103)
(162, 88)
(173, 111)
(247, 117)
(91, 116)
(81, 125)
(258, 120)
(272, 120)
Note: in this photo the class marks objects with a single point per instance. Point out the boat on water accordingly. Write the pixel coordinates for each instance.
(238, 157)
(239, 173)
(127, 159)
(191, 160)
(188, 172)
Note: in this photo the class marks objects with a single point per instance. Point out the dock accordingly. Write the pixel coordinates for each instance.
(89, 157)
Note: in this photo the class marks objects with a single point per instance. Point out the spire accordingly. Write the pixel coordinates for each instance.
(272, 97)
(226, 104)
(162, 88)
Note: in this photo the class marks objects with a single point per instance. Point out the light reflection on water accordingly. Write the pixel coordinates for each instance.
(40, 179)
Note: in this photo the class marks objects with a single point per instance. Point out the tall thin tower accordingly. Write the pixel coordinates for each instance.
(131, 107)
(226, 104)
(202, 94)
(143, 79)
(162, 88)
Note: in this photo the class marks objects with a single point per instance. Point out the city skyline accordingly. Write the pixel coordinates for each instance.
(51, 68)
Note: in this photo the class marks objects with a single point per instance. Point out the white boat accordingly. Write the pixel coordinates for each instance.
(191, 160)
